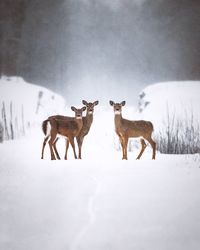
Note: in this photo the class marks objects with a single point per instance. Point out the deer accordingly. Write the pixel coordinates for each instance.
(87, 122)
(69, 127)
(126, 129)
(44, 128)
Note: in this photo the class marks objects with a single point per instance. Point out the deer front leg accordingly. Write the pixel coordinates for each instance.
(71, 140)
(79, 142)
(124, 143)
(66, 150)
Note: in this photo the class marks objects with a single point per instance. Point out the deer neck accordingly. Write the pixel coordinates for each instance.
(88, 119)
(79, 121)
(118, 120)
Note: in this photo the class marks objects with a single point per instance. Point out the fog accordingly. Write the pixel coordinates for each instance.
(108, 49)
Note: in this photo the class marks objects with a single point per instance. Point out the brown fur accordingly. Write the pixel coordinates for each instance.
(66, 126)
(87, 122)
(44, 126)
(126, 129)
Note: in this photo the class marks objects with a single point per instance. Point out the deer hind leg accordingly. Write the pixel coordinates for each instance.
(51, 141)
(66, 150)
(43, 146)
(71, 140)
(153, 145)
(55, 149)
(143, 144)
(80, 142)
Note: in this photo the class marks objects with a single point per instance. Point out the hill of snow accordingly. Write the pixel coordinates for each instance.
(176, 99)
(173, 107)
(27, 104)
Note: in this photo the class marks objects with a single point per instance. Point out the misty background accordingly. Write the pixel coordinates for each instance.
(100, 49)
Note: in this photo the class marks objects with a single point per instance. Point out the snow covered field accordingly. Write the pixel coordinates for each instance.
(99, 202)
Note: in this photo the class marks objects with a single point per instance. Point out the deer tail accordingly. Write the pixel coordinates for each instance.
(44, 126)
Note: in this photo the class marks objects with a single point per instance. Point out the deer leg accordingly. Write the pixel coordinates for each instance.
(66, 150)
(124, 143)
(51, 141)
(71, 140)
(43, 146)
(142, 149)
(53, 134)
(80, 142)
(153, 145)
(125, 148)
(55, 149)
(121, 141)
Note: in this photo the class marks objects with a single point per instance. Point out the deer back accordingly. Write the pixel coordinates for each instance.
(69, 126)
(133, 128)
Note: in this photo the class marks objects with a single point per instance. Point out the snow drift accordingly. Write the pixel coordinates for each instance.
(179, 99)
(25, 105)
(173, 107)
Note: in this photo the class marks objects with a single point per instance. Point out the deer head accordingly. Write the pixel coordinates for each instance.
(117, 107)
(78, 112)
(90, 106)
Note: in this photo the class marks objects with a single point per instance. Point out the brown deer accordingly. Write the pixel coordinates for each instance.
(126, 129)
(87, 122)
(44, 128)
(69, 127)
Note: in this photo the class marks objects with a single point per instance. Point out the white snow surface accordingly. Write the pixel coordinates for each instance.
(21, 93)
(176, 99)
(100, 202)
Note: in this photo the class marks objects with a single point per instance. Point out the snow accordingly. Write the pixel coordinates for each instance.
(99, 202)
(21, 93)
(179, 99)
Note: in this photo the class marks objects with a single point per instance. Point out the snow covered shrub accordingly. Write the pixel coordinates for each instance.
(1, 132)
(179, 136)
(173, 108)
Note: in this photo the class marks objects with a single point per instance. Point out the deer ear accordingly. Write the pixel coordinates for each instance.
(111, 103)
(96, 103)
(73, 108)
(123, 103)
(83, 108)
(84, 102)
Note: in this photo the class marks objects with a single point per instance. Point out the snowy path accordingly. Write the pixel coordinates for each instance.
(97, 203)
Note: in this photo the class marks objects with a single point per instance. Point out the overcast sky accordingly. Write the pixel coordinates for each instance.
(100, 49)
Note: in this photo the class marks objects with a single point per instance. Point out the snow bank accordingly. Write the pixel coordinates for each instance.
(24, 105)
(178, 99)
(38, 102)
